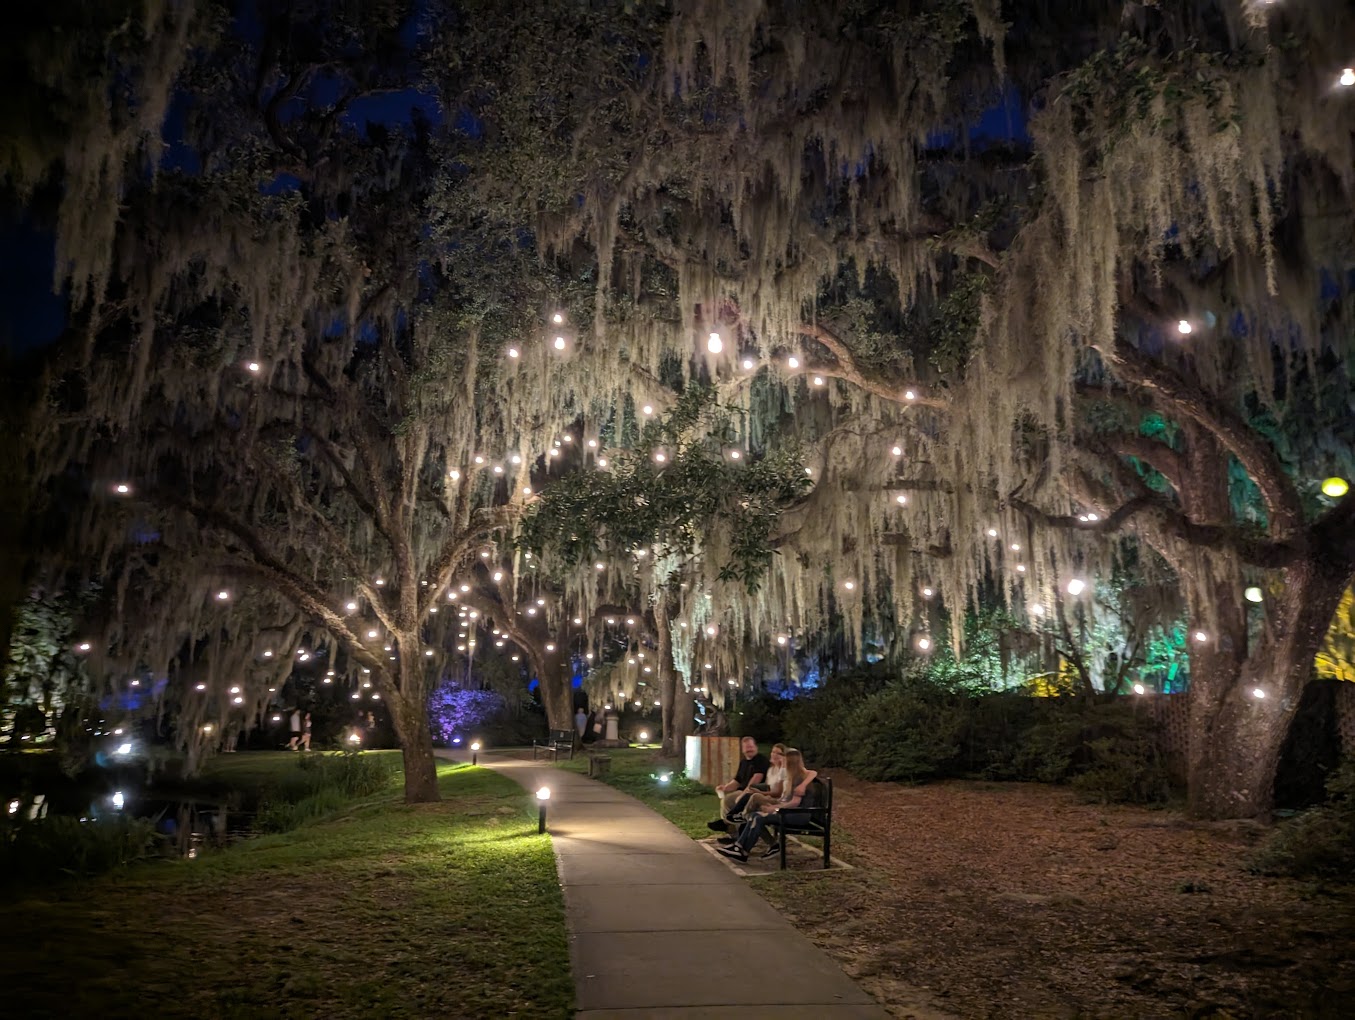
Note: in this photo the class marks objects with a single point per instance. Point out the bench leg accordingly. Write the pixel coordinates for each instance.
(827, 846)
(784, 836)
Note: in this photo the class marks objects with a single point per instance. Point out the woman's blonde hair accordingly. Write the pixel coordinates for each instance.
(795, 768)
(779, 749)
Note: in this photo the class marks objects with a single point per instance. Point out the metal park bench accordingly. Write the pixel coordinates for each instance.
(559, 741)
(814, 817)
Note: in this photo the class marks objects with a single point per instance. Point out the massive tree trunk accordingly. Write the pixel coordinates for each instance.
(669, 682)
(1235, 735)
(408, 708)
(555, 675)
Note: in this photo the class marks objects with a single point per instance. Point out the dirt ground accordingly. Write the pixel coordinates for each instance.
(1010, 900)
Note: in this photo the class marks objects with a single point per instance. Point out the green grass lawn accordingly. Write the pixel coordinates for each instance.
(388, 910)
(687, 804)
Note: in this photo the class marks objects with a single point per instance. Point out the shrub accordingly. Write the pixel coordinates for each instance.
(910, 732)
(45, 849)
(759, 717)
(1320, 842)
(320, 785)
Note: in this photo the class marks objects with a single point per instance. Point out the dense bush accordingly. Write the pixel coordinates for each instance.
(911, 728)
(319, 786)
(759, 717)
(45, 849)
(1320, 842)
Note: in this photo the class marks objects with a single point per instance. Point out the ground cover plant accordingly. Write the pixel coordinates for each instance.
(389, 910)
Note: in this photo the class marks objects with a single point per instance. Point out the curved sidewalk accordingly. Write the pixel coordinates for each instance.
(660, 929)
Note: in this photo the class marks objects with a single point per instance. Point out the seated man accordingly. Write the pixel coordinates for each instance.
(795, 789)
(752, 771)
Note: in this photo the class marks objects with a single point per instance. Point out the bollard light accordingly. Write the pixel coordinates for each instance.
(475, 752)
(542, 798)
(644, 736)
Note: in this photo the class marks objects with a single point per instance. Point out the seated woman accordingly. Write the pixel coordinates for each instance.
(756, 827)
(770, 790)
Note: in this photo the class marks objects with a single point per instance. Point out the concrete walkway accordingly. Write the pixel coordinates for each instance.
(658, 928)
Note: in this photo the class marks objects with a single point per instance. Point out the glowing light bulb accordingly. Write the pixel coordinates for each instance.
(557, 318)
(714, 344)
(992, 532)
(928, 592)
(660, 457)
(924, 643)
(453, 474)
(84, 646)
(1253, 594)
(792, 362)
(748, 364)
(512, 352)
(781, 639)
(1335, 487)
(1347, 77)
(352, 607)
(479, 459)
(559, 343)
(1138, 688)
(516, 458)
(1257, 693)
(897, 451)
(849, 585)
(909, 395)
(371, 634)
(734, 455)
(223, 595)
(1037, 609)
(1016, 547)
(122, 488)
(253, 366)
(602, 462)
(901, 500)
(1076, 586)
(600, 566)
(1201, 636)
(498, 575)
(1184, 327)
(647, 409)
(818, 380)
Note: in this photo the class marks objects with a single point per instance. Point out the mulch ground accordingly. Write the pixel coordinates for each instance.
(1009, 900)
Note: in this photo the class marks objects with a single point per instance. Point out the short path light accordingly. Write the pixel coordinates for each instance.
(474, 752)
(542, 799)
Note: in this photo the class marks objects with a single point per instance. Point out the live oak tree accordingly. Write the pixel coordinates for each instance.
(1161, 229)
(809, 207)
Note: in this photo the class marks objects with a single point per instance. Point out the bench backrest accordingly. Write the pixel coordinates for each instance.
(561, 737)
(815, 807)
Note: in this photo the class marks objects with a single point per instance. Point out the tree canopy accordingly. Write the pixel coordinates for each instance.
(1035, 293)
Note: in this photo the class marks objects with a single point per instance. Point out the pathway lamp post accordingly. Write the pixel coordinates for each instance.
(475, 752)
(542, 799)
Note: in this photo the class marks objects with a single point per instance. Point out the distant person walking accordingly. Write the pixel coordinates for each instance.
(306, 733)
(581, 721)
(294, 723)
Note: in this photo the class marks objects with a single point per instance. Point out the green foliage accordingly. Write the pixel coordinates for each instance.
(44, 676)
(759, 716)
(59, 846)
(909, 731)
(1320, 842)
(911, 728)
(320, 785)
(640, 502)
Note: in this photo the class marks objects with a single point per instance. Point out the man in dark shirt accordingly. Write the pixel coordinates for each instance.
(752, 771)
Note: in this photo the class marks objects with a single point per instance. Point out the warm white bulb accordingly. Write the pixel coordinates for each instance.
(453, 474)
(1201, 636)
(647, 409)
(559, 343)
(253, 366)
(818, 380)
(734, 455)
(512, 352)
(924, 643)
(909, 395)
(660, 457)
(793, 362)
(1257, 693)
(1254, 594)
(748, 364)
(897, 451)
(1347, 77)
(992, 532)
(123, 488)
(1138, 688)
(557, 318)
(714, 344)
(1184, 327)
(1076, 586)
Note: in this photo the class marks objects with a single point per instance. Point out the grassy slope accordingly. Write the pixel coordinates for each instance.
(450, 909)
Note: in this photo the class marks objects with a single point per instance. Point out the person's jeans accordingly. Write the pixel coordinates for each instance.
(754, 829)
